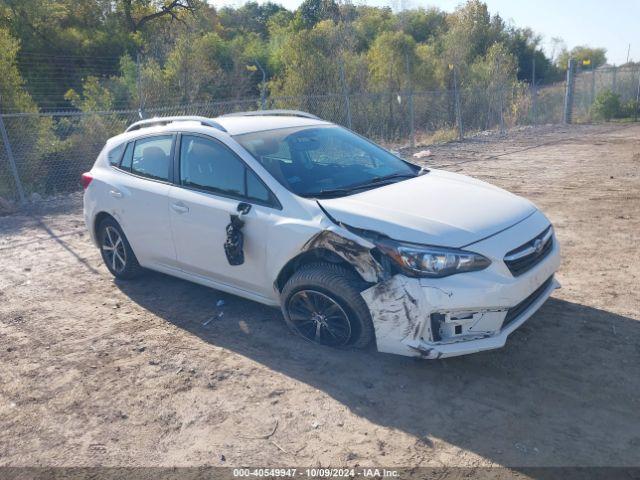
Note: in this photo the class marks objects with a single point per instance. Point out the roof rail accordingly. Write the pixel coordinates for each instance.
(151, 122)
(260, 113)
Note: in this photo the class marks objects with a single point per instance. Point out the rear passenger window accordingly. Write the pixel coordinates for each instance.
(152, 157)
(115, 154)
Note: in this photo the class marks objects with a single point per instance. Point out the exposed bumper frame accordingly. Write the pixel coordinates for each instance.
(460, 314)
(431, 351)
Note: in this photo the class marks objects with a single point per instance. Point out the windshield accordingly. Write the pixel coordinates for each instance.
(324, 160)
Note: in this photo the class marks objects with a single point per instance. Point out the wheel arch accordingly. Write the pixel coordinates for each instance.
(311, 256)
(98, 219)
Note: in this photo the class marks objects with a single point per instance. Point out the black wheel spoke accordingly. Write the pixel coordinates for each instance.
(308, 303)
(113, 249)
(319, 318)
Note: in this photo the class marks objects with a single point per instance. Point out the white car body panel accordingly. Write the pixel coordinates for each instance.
(198, 222)
(437, 208)
(140, 206)
(433, 208)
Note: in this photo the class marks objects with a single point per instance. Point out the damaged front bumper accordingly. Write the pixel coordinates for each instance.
(460, 314)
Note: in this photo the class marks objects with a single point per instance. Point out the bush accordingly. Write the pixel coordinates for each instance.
(628, 109)
(606, 105)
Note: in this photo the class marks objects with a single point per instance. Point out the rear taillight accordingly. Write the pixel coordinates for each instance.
(86, 180)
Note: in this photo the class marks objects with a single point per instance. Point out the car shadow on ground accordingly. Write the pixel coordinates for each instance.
(564, 391)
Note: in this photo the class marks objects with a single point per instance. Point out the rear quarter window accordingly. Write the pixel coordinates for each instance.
(127, 158)
(115, 154)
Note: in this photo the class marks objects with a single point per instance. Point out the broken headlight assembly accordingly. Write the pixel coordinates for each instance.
(435, 262)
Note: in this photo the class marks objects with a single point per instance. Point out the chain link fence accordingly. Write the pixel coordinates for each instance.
(45, 153)
(622, 81)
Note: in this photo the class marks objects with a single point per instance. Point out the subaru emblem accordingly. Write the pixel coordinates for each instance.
(537, 245)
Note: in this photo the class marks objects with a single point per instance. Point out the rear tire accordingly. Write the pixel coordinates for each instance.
(116, 251)
(321, 302)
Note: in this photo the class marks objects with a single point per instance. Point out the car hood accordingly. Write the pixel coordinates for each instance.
(437, 208)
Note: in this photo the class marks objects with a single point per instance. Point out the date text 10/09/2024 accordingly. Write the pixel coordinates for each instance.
(316, 472)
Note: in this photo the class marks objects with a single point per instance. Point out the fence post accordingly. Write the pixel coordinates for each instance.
(412, 131)
(534, 93)
(141, 113)
(614, 80)
(593, 84)
(456, 96)
(500, 99)
(568, 95)
(263, 86)
(345, 93)
(635, 116)
(501, 106)
(12, 161)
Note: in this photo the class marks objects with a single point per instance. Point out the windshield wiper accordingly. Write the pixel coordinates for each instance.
(331, 192)
(384, 178)
(371, 183)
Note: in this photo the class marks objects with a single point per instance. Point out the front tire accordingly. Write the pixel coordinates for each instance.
(321, 302)
(116, 251)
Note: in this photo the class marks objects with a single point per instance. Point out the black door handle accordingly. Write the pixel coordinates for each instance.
(243, 208)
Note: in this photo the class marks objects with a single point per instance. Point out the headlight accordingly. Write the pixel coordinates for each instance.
(425, 261)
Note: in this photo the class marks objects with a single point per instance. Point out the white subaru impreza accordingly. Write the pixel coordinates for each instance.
(353, 243)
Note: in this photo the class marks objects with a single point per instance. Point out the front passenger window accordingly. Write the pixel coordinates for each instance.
(207, 165)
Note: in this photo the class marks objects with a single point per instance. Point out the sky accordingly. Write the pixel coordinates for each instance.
(611, 24)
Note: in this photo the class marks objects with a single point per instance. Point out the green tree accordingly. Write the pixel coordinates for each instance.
(526, 46)
(31, 136)
(311, 60)
(137, 13)
(370, 23)
(13, 96)
(312, 12)
(251, 17)
(390, 58)
(423, 25)
(470, 33)
(596, 56)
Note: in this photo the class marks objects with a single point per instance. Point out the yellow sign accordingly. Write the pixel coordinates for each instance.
(252, 68)
(586, 61)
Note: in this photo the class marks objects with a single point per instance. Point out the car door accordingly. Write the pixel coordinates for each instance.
(211, 182)
(141, 194)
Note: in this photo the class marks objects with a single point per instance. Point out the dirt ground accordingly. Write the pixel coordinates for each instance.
(98, 372)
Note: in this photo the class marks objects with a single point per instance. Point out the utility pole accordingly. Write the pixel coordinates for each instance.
(628, 50)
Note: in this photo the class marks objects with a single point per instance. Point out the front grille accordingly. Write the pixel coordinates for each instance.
(514, 312)
(527, 256)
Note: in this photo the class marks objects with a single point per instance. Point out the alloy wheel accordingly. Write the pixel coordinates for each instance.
(115, 254)
(319, 318)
